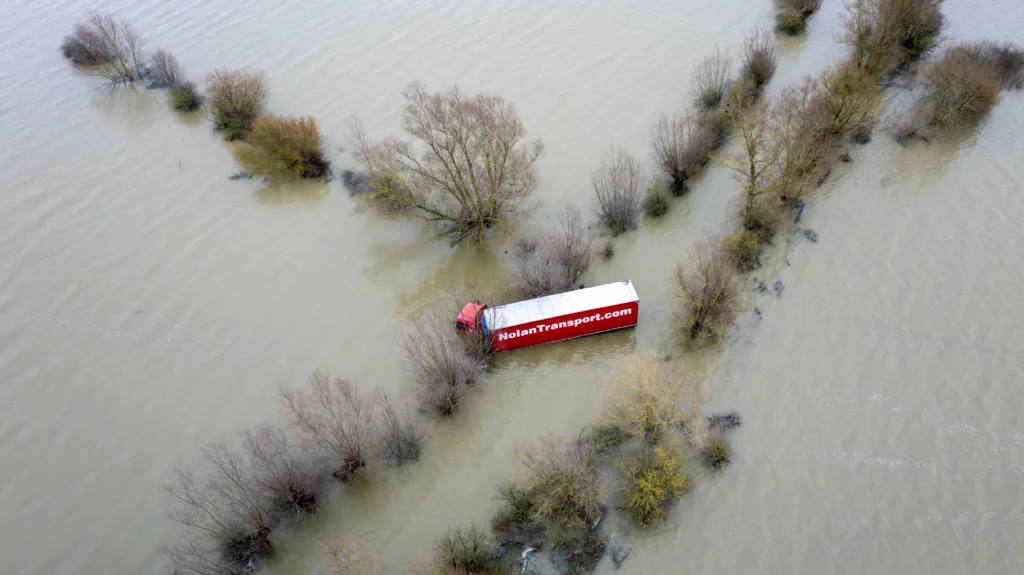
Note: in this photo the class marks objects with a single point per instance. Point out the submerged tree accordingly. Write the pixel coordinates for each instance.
(553, 264)
(470, 169)
(619, 184)
(109, 47)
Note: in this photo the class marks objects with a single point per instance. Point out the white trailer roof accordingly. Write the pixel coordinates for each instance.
(557, 305)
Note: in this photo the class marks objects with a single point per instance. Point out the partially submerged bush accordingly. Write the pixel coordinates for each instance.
(565, 485)
(185, 97)
(553, 264)
(754, 167)
(745, 248)
(852, 99)
(717, 452)
(348, 557)
(284, 147)
(442, 373)
(466, 550)
(332, 417)
(608, 250)
(292, 477)
(655, 202)
(886, 35)
(711, 80)
(802, 146)
(654, 399)
(759, 58)
(654, 479)
(165, 70)
(1005, 61)
(603, 437)
(236, 98)
(474, 170)
(722, 422)
(709, 291)
(399, 439)
(743, 94)
(517, 507)
(803, 7)
(790, 22)
(962, 89)
(619, 186)
(683, 144)
(109, 47)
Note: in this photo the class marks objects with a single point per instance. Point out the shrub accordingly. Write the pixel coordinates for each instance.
(745, 248)
(236, 100)
(717, 452)
(962, 89)
(709, 291)
(165, 71)
(759, 58)
(801, 149)
(553, 264)
(852, 99)
(400, 440)
(683, 144)
(608, 250)
(1006, 62)
(185, 97)
(467, 550)
(655, 398)
(790, 22)
(722, 422)
(655, 202)
(85, 47)
(284, 147)
(654, 479)
(517, 507)
(111, 48)
(348, 557)
(603, 437)
(565, 485)
(888, 34)
(332, 417)
(754, 167)
(229, 514)
(711, 80)
(803, 7)
(292, 477)
(741, 96)
(619, 185)
(442, 373)
(485, 176)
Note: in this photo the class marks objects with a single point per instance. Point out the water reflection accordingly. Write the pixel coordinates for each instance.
(275, 193)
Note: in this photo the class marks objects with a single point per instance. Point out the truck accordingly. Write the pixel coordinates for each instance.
(558, 317)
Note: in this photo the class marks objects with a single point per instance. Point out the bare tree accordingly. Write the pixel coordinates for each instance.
(619, 184)
(852, 99)
(471, 170)
(332, 417)
(292, 477)
(400, 439)
(759, 58)
(442, 372)
(711, 80)
(801, 134)
(553, 264)
(166, 71)
(887, 34)
(237, 98)
(710, 293)
(194, 554)
(654, 399)
(225, 509)
(350, 558)
(754, 168)
(111, 47)
(683, 144)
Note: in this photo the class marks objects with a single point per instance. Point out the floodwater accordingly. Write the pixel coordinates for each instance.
(150, 305)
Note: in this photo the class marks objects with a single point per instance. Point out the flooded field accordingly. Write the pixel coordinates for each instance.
(150, 305)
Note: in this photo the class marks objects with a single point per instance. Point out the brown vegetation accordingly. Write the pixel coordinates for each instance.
(709, 291)
(745, 249)
(331, 416)
(790, 22)
(236, 100)
(802, 146)
(717, 452)
(441, 370)
(475, 170)
(711, 80)
(886, 35)
(654, 399)
(683, 144)
(962, 88)
(399, 440)
(465, 550)
(754, 168)
(349, 558)
(284, 147)
(565, 485)
(289, 475)
(852, 99)
(555, 263)
(803, 7)
(743, 94)
(1005, 61)
(108, 47)
(619, 184)
(759, 58)
(165, 70)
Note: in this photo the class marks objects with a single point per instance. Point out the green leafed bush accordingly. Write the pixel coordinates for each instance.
(285, 147)
(654, 479)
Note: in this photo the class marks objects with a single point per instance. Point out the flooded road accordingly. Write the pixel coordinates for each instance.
(150, 305)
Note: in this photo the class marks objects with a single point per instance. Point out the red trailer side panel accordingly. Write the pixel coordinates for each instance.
(567, 326)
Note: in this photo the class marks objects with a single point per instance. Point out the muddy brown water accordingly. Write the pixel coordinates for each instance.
(150, 305)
